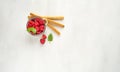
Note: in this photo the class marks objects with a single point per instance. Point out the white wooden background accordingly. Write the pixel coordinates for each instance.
(90, 41)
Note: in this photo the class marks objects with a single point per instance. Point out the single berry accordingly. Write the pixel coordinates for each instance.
(36, 23)
(44, 36)
(41, 22)
(37, 19)
(42, 41)
(42, 27)
(37, 28)
(38, 32)
(30, 22)
(29, 25)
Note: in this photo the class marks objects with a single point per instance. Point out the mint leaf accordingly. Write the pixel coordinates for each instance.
(50, 37)
(32, 29)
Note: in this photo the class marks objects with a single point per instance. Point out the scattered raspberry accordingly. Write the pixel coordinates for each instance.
(44, 36)
(42, 41)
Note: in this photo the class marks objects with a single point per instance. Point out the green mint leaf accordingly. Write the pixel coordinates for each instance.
(50, 37)
(32, 29)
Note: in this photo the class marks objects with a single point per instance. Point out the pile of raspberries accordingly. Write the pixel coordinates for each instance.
(38, 24)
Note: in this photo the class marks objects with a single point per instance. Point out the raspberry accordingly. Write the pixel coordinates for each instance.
(37, 28)
(42, 28)
(30, 22)
(42, 41)
(37, 19)
(42, 22)
(29, 25)
(36, 23)
(44, 36)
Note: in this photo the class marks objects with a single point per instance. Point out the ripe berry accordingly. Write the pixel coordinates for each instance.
(42, 28)
(42, 41)
(30, 22)
(37, 19)
(38, 32)
(37, 28)
(36, 23)
(29, 25)
(44, 36)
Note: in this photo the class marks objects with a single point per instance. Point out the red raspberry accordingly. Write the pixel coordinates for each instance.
(37, 28)
(42, 27)
(37, 19)
(34, 26)
(39, 22)
(29, 25)
(44, 36)
(42, 41)
(30, 22)
(38, 32)
(42, 22)
(36, 23)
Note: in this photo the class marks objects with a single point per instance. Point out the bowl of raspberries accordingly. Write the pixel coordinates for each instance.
(36, 26)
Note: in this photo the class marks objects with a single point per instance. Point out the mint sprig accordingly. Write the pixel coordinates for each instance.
(50, 37)
(32, 29)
